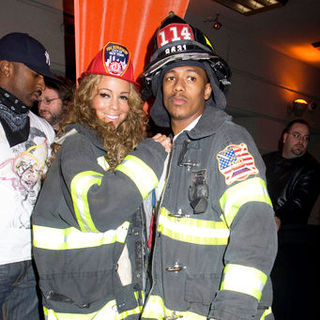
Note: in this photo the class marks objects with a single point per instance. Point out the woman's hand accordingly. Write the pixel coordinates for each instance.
(164, 140)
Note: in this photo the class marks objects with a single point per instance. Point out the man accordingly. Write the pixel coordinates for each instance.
(24, 146)
(293, 176)
(215, 239)
(55, 100)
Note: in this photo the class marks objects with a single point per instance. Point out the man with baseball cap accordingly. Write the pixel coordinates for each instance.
(215, 239)
(24, 147)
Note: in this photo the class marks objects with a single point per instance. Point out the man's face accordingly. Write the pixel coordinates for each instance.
(50, 106)
(295, 142)
(26, 84)
(185, 90)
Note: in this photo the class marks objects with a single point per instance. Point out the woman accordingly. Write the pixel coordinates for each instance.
(87, 231)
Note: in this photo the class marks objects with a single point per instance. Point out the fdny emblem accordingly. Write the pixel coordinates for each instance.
(236, 163)
(116, 59)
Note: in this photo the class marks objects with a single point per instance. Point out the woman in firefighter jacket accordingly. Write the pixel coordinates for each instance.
(87, 224)
(215, 240)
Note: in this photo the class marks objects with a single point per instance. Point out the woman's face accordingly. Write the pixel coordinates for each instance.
(111, 100)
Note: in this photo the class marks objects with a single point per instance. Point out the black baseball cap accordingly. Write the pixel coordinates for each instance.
(20, 47)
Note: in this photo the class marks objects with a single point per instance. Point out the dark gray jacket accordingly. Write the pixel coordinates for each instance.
(216, 237)
(86, 218)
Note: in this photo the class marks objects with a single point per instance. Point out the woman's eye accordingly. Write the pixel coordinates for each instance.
(124, 98)
(104, 95)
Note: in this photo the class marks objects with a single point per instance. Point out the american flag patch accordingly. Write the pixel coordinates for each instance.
(236, 163)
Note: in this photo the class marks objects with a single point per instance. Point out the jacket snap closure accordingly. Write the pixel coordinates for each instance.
(179, 214)
(176, 268)
(173, 316)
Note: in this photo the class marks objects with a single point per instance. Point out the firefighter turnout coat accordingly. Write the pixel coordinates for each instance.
(215, 241)
(88, 230)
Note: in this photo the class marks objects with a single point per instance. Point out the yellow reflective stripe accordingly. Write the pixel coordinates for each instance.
(107, 312)
(155, 309)
(266, 313)
(244, 279)
(72, 238)
(80, 185)
(193, 230)
(249, 190)
(140, 173)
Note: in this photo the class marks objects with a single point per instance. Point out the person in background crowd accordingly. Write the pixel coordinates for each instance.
(88, 229)
(293, 177)
(215, 240)
(25, 141)
(55, 100)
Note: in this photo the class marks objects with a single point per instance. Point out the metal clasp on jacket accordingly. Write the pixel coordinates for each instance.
(173, 316)
(182, 157)
(179, 214)
(177, 267)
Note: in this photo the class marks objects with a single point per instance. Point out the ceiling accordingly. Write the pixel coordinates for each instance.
(290, 29)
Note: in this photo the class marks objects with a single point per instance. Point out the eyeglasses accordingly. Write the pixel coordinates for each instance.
(299, 136)
(47, 101)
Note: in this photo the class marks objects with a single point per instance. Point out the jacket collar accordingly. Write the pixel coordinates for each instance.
(88, 132)
(209, 123)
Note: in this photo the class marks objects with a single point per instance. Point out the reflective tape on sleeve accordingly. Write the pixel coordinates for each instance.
(190, 230)
(155, 309)
(72, 238)
(244, 279)
(238, 195)
(80, 185)
(140, 173)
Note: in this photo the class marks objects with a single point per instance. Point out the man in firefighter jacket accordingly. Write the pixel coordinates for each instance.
(215, 240)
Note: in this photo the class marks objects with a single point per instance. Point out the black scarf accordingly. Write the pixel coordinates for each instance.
(14, 118)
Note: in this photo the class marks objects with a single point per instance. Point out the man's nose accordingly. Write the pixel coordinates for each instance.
(179, 85)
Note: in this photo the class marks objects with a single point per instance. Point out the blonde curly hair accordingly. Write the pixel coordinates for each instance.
(117, 141)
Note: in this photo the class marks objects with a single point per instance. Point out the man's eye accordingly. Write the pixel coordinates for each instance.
(191, 78)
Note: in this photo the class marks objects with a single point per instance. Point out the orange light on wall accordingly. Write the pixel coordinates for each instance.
(300, 105)
(300, 101)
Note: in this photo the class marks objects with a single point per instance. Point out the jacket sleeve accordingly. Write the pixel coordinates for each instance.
(100, 199)
(248, 213)
(300, 199)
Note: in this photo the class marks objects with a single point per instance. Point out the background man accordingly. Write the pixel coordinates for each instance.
(293, 177)
(215, 241)
(24, 146)
(55, 100)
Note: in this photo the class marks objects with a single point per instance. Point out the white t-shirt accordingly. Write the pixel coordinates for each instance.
(21, 167)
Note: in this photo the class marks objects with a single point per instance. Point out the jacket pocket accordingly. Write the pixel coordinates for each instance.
(80, 289)
(201, 288)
